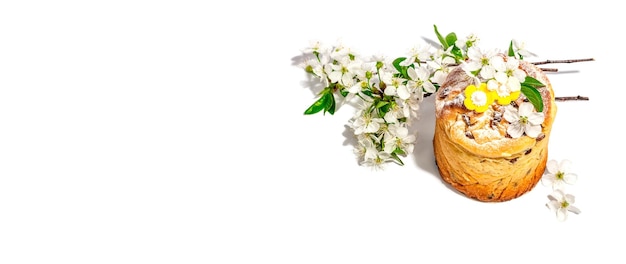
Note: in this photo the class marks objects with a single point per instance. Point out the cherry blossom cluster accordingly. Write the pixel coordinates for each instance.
(388, 92)
(388, 96)
(498, 78)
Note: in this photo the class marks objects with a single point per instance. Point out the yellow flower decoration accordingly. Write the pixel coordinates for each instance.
(479, 98)
(505, 100)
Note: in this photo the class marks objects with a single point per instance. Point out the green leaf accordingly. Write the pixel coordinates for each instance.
(401, 69)
(436, 87)
(396, 158)
(458, 54)
(344, 92)
(534, 96)
(330, 104)
(396, 63)
(399, 151)
(368, 92)
(451, 39)
(404, 73)
(384, 108)
(318, 105)
(326, 102)
(532, 82)
(511, 51)
(381, 104)
(441, 39)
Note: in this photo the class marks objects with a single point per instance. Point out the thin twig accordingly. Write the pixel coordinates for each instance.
(562, 61)
(572, 98)
(541, 63)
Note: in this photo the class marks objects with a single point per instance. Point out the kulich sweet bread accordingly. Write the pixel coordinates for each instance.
(491, 144)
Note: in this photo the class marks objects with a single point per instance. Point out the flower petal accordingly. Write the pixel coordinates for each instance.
(520, 75)
(553, 205)
(412, 73)
(347, 79)
(474, 53)
(471, 66)
(487, 72)
(548, 179)
(498, 63)
(526, 109)
(401, 131)
(553, 166)
(423, 73)
(536, 118)
(561, 214)
(570, 199)
(565, 165)
(403, 92)
(390, 117)
(503, 100)
(556, 195)
(389, 148)
(558, 185)
(429, 87)
(510, 114)
(355, 88)
(335, 76)
(512, 63)
(501, 77)
(469, 90)
(407, 62)
(370, 153)
(469, 104)
(570, 178)
(515, 130)
(532, 131)
(513, 84)
(493, 85)
(573, 209)
(390, 90)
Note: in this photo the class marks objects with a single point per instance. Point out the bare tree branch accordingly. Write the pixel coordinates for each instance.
(572, 98)
(562, 61)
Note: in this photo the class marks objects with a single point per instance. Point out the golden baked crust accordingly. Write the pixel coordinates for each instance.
(475, 155)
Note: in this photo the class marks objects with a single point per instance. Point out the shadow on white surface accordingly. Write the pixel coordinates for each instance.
(311, 83)
(424, 153)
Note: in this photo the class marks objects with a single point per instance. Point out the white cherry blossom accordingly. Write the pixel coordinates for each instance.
(558, 174)
(366, 123)
(562, 203)
(523, 120)
(504, 77)
(519, 47)
(377, 159)
(315, 46)
(417, 54)
(365, 147)
(477, 58)
(420, 78)
(398, 136)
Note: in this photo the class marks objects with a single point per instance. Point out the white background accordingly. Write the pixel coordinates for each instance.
(173, 132)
